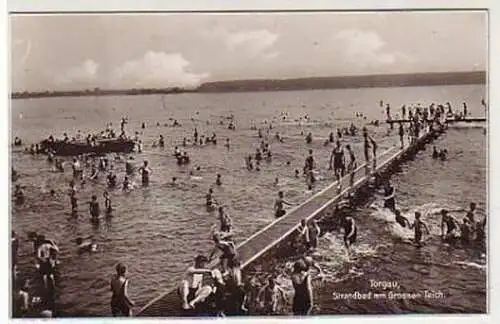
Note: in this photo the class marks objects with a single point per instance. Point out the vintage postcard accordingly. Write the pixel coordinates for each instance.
(248, 164)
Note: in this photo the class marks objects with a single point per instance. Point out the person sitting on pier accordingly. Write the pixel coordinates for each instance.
(419, 227)
(268, 297)
(194, 288)
(338, 159)
(350, 231)
(401, 220)
(389, 196)
(279, 209)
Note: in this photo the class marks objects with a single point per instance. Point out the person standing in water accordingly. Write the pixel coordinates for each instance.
(303, 293)
(268, 296)
(389, 196)
(419, 227)
(338, 159)
(225, 221)
(94, 209)
(351, 167)
(279, 209)
(121, 304)
(401, 134)
(350, 231)
(107, 203)
(145, 171)
(451, 225)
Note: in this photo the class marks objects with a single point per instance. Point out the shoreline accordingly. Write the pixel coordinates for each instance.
(289, 84)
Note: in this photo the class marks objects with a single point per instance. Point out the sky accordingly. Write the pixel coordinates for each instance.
(62, 52)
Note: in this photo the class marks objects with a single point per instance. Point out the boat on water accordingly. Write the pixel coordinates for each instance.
(65, 148)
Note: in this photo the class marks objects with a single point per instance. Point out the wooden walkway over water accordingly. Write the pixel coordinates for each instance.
(168, 304)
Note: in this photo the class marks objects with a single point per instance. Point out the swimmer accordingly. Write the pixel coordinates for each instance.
(297, 173)
(86, 244)
(401, 134)
(225, 221)
(401, 220)
(107, 203)
(314, 234)
(309, 163)
(127, 184)
(111, 180)
(279, 209)
(268, 296)
(435, 153)
(210, 200)
(338, 159)
(19, 195)
(218, 181)
(466, 231)
(303, 230)
(419, 226)
(228, 144)
(145, 172)
(94, 208)
(389, 193)
(451, 225)
(276, 181)
(350, 231)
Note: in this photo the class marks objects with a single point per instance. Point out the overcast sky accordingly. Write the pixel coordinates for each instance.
(123, 51)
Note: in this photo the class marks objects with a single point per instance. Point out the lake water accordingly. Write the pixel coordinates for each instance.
(157, 230)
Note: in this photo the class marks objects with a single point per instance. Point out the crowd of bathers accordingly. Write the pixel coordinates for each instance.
(226, 290)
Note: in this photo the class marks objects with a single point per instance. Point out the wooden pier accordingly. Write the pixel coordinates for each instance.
(251, 249)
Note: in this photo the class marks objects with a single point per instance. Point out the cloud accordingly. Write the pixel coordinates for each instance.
(84, 73)
(250, 44)
(156, 69)
(367, 49)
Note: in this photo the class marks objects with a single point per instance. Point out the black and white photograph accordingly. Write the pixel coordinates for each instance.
(248, 164)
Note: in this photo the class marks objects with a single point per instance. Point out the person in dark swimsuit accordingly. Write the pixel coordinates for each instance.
(389, 200)
(366, 145)
(279, 209)
(435, 153)
(227, 248)
(120, 302)
(145, 171)
(451, 225)
(401, 134)
(401, 220)
(303, 294)
(94, 209)
(107, 203)
(338, 159)
(225, 220)
(350, 231)
(419, 227)
(351, 167)
(309, 163)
